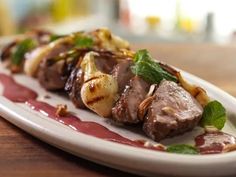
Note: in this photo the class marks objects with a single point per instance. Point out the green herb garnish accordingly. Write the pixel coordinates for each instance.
(182, 149)
(83, 41)
(22, 48)
(147, 68)
(54, 37)
(214, 114)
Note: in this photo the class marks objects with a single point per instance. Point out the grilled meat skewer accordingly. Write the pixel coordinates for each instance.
(99, 72)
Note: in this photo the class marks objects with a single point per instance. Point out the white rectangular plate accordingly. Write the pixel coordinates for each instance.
(123, 157)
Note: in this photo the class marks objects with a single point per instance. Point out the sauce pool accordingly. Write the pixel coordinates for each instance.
(14, 91)
(215, 142)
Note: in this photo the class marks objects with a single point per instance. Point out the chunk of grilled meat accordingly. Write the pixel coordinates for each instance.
(6, 51)
(122, 73)
(126, 108)
(52, 72)
(73, 87)
(172, 111)
(105, 61)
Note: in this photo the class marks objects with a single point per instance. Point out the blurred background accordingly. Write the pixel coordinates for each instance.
(137, 20)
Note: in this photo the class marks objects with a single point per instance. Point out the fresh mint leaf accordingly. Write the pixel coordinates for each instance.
(182, 149)
(149, 69)
(214, 114)
(83, 41)
(141, 55)
(22, 48)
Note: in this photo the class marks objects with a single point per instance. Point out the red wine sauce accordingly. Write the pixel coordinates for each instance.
(86, 127)
(14, 91)
(214, 142)
(19, 93)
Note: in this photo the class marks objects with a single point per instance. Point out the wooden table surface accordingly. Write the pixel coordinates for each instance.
(22, 155)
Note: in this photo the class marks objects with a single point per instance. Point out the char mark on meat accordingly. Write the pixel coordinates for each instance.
(105, 62)
(73, 87)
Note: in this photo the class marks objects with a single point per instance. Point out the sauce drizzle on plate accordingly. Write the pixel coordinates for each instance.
(19, 93)
(14, 91)
(215, 142)
(207, 143)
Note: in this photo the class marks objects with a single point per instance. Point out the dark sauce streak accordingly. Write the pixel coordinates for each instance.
(86, 127)
(14, 91)
(19, 93)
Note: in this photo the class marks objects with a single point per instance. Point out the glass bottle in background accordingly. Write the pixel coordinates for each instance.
(124, 13)
(60, 10)
(68, 9)
(185, 22)
(209, 27)
(7, 23)
(153, 22)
